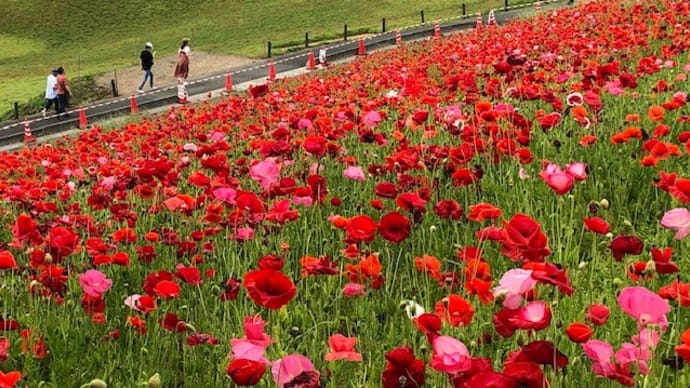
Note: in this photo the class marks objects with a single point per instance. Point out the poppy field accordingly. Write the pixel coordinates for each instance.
(505, 207)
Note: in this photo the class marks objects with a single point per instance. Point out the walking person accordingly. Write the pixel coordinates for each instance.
(63, 92)
(51, 93)
(182, 71)
(146, 57)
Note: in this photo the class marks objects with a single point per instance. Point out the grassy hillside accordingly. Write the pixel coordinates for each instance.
(94, 36)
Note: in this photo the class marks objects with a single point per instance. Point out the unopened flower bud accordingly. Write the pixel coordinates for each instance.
(95, 383)
(154, 381)
(604, 203)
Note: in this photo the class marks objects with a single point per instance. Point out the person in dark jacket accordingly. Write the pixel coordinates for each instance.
(146, 57)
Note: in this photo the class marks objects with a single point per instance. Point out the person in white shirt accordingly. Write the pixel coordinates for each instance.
(51, 92)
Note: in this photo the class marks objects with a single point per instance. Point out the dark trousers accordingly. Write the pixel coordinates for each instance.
(62, 102)
(52, 101)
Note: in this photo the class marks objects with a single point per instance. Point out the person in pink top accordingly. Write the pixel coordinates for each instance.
(182, 71)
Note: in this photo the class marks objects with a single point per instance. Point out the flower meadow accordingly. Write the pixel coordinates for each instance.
(501, 208)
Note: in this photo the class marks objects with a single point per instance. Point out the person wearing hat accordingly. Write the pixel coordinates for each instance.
(146, 57)
(51, 93)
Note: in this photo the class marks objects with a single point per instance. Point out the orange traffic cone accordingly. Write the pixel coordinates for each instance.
(362, 49)
(311, 65)
(479, 20)
(28, 137)
(83, 123)
(491, 21)
(538, 7)
(228, 82)
(437, 30)
(398, 37)
(133, 107)
(271, 72)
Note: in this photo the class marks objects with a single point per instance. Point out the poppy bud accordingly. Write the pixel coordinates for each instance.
(604, 203)
(95, 383)
(295, 331)
(154, 381)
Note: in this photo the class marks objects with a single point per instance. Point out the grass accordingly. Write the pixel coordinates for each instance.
(92, 37)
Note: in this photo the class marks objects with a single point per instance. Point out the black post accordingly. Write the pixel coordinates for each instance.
(464, 10)
(383, 24)
(16, 110)
(114, 86)
(306, 40)
(505, 7)
(269, 48)
(421, 15)
(345, 32)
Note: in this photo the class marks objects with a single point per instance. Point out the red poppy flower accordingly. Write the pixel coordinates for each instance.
(483, 211)
(386, 190)
(245, 372)
(597, 314)
(579, 332)
(7, 260)
(622, 245)
(61, 243)
(394, 227)
(360, 229)
(269, 288)
(525, 374)
(455, 310)
(403, 370)
(10, 379)
(597, 225)
(448, 209)
(4, 349)
(171, 322)
(543, 353)
(524, 240)
(167, 289)
(196, 339)
(663, 262)
(230, 289)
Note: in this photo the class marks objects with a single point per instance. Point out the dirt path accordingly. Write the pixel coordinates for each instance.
(200, 64)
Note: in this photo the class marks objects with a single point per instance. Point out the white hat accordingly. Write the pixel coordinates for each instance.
(149, 45)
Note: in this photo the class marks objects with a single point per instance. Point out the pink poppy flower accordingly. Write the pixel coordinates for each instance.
(556, 179)
(372, 118)
(286, 369)
(355, 173)
(94, 282)
(514, 284)
(254, 331)
(577, 170)
(342, 348)
(631, 354)
(535, 315)
(679, 220)
(266, 172)
(351, 290)
(225, 194)
(645, 306)
(450, 355)
(246, 350)
(600, 352)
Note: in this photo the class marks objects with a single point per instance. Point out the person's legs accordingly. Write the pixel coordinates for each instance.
(151, 80)
(56, 103)
(143, 81)
(62, 102)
